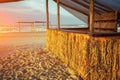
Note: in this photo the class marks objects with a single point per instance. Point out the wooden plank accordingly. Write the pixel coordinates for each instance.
(112, 29)
(100, 6)
(109, 16)
(91, 24)
(84, 5)
(47, 14)
(32, 22)
(66, 5)
(116, 16)
(58, 13)
(106, 20)
(98, 34)
(108, 8)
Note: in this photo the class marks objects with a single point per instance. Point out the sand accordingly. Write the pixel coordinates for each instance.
(10, 41)
(23, 57)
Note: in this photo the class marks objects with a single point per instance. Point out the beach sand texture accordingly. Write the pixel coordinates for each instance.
(23, 57)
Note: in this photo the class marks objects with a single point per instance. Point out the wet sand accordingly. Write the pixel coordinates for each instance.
(23, 57)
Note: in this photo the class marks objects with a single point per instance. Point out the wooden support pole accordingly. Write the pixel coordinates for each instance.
(58, 13)
(33, 27)
(47, 14)
(19, 27)
(116, 17)
(91, 17)
(89, 22)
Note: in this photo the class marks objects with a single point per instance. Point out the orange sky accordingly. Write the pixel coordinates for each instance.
(6, 18)
(33, 10)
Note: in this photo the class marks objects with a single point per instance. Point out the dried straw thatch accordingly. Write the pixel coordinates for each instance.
(93, 58)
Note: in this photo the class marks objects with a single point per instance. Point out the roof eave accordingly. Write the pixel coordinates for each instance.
(7, 1)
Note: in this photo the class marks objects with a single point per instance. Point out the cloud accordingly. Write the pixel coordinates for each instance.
(9, 17)
(25, 10)
(27, 5)
(31, 10)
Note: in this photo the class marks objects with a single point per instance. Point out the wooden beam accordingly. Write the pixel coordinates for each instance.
(25, 22)
(91, 24)
(32, 22)
(7, 1)
(103, 34)
(47, 14)
(66, 5)
(58, 13)
(84, 5)
(108, 8)
(103, 7)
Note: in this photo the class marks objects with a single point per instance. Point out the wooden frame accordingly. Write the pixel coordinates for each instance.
(84, 5)
(91, 18)
(30, 22)
(74, 8)
(47, 14)
(58, 13)
(107, 9)
(92, 12)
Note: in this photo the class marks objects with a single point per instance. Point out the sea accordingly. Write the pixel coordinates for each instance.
(38, 28)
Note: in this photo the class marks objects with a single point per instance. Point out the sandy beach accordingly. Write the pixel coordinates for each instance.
(10, 41)
(23, 57)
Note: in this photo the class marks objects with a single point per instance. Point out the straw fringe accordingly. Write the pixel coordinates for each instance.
(93, 58)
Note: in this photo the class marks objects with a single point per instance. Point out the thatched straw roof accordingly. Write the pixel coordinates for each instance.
(6, 1)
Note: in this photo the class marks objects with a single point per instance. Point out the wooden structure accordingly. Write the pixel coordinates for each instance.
(106, 22)
(94, 52)
(32, 24)
(102, 19)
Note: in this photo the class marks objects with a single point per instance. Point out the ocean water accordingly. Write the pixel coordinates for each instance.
(27, 28)
(39, 28)
(22, 29)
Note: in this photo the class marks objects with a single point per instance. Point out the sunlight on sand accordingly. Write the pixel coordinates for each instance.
(10, 41)
(22, 57)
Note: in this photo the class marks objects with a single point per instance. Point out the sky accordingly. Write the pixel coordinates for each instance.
(33, 10)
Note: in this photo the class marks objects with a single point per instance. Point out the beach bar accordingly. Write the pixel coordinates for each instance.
(94, 52)
(33, 28)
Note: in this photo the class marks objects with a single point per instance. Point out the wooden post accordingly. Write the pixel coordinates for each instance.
(33, 27)
(91, 17)
(89, 22)
(58, 13)
(116, 17)
(19, 27)
(47, 14)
